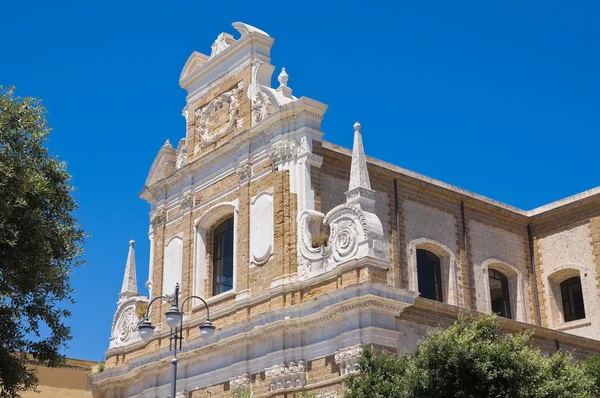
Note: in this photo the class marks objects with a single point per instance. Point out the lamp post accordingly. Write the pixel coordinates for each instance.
(174, 318)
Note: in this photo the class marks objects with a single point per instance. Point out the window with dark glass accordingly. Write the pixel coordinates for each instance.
(499, 293)
(429, 275)
(572, 299)
(223, 257)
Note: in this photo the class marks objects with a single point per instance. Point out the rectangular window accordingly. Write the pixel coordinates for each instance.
(572, 299)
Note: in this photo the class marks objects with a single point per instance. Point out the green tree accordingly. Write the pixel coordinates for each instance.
(40, 242)
(471, 359)
(591, 366)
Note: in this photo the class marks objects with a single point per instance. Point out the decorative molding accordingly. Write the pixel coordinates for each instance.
(326, 312)
(187, 201)
(204, 116)
(261, 105)
(282, 152)
(283, 88)
(290, 376)
(158, 218)
(240, 382)
(347, 359)
(244, 172)
(224, 40)
(125, 321)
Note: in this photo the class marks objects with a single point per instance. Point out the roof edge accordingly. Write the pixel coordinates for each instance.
(541, 210)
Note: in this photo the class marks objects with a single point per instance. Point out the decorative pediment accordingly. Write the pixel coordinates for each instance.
(195, 61)
(164, 164)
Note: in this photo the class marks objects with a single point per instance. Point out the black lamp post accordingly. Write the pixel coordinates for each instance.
(174, 319)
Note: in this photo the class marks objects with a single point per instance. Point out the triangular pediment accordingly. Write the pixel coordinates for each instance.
(163, 165)
(195, 61)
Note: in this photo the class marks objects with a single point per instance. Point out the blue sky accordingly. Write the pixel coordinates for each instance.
(500, 98)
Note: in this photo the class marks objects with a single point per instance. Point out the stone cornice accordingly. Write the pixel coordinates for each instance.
(273, 292)
(296, 318)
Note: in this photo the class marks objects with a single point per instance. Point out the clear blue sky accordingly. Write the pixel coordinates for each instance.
(500, 98)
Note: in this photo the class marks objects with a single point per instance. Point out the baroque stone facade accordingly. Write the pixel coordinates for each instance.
(306, 251)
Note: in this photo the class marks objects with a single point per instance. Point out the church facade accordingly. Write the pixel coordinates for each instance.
(305, 251)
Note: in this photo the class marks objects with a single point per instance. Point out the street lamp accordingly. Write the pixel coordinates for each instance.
(174, 319)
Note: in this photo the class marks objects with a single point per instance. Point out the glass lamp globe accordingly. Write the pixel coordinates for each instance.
(146, 330)
(207, 329)
(173, 317)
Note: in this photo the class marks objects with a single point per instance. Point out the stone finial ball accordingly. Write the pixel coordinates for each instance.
(131, 242)
(357, 126)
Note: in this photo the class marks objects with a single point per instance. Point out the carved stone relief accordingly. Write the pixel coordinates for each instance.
(158, 218)
(125, 322)
(224, 40)
(261, 105)
(187, 201)
(240, 382)
(219, 117)
(244, 172)
(355, 231)
(347, 359)
(290, 376)
(282, 152)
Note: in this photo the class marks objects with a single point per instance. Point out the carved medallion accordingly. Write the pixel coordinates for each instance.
(219, 117)
(125, 325)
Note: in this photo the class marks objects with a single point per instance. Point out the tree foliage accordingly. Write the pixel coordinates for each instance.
(40, 242)
(473, 359)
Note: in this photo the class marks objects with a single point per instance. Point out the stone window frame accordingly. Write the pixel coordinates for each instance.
(448, 267)
(552, 280)
(203, 239)
(516, 290)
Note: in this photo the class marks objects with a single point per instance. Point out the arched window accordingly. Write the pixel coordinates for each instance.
(429, 275)
(572, 299)
(223, 257)
(499, 296)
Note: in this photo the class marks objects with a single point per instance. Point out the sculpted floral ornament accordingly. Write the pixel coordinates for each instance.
(207, 117)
